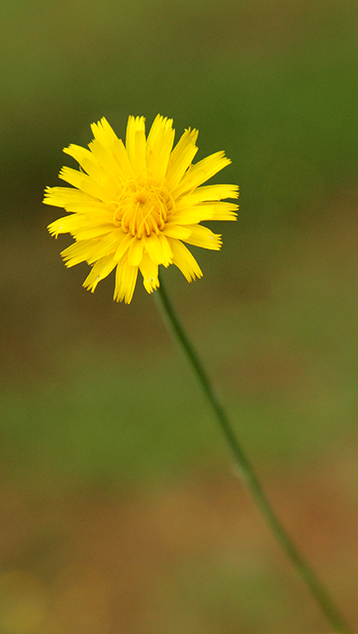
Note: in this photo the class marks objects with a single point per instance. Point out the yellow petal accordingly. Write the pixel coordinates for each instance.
(181, 157)
(201, 172)
(176, 231)
(158, 249)
(167, 252)
(193, 215)
(107, 163)
(62, 196)
(67, 224)
(99, 271)
(135, 252)
(206, 211)
(104, 133)
(136, 144)
(81, 155)
(159, 145)
(106, 245)
(99, 172)
(225, 211)
(126, 278)
(184, 260)
(123, 247)
(85, 183)
(77, 252)
(202, 237)
(79, 227)
(149, 271)
(108, 139)
(208, 193)
(86, 231)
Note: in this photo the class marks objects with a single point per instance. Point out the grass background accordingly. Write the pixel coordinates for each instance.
(120, 512)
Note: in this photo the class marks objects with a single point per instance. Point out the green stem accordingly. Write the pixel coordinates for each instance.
(246, 471)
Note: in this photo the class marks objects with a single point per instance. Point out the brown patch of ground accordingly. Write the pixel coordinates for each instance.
(101, 561)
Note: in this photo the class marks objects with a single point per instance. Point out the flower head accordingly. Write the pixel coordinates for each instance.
(132, 206)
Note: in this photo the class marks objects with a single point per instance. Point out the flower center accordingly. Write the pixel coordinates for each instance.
(142, 211)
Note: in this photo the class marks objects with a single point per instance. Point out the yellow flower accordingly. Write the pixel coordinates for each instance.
(133, 206)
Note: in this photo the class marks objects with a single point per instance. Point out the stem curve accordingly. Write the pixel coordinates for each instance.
(246, 470)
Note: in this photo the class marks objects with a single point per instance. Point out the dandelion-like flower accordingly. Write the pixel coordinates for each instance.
(132, 206)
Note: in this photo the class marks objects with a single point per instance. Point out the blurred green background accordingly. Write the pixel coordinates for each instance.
(120, 512)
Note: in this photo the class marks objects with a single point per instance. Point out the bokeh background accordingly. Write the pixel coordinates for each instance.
(120, 509)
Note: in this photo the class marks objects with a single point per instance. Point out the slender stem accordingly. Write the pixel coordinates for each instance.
(246, 471)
